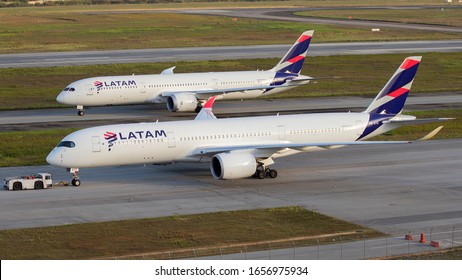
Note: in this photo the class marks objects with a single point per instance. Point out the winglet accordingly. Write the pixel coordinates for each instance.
(206, 111)
(210, 102)
(168, 71)
(430, 135)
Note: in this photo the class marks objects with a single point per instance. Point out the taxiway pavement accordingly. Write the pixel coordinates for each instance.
(392, 188)
(49, 59)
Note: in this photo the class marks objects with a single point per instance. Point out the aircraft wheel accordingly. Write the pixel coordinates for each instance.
(75, 182)
(80, 113)
(261, 174)
(273, 173)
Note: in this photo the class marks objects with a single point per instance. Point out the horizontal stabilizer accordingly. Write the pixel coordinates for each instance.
(417, 121)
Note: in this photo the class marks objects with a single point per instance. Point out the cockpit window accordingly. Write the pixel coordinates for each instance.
(66, 89)
(67, 144)
(71, 89)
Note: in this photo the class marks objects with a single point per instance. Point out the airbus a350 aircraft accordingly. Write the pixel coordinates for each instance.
(188, 92)
(239, 147)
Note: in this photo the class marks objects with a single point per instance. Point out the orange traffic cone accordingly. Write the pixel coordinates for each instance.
(422, 238)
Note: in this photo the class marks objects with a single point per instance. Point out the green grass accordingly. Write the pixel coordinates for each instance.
(96, 28)
(143, 236)
(364, 75)
(28, 147)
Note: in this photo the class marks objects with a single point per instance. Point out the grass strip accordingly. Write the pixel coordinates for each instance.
(132, 237)
(363, 75)
(142, 26)
(28, 147)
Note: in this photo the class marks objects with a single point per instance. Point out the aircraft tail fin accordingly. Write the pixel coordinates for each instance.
(392, 97)
(293, 61)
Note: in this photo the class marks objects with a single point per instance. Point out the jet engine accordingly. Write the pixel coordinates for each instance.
(181, 102)
(232, 166)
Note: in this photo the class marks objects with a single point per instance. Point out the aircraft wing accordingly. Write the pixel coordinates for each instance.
(204, 94)
(268, 149)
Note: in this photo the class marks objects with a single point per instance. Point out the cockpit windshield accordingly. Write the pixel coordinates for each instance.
(69, 89)
(67, 144)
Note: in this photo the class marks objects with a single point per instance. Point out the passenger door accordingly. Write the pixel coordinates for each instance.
(96, 144)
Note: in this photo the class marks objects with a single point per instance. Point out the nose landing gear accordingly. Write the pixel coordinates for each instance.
(80, 110)
(75, 176)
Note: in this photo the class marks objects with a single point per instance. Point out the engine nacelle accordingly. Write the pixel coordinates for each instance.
(232, 166)
(181, 102)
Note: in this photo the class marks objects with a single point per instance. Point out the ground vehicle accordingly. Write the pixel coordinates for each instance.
(37, 181)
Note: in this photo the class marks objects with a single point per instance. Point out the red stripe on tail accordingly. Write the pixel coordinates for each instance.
(408, 63)
(303, 38)
(398, 92)
(295, 59)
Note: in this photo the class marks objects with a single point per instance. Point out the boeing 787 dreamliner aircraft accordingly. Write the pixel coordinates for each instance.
(239, 147)
(188, 92)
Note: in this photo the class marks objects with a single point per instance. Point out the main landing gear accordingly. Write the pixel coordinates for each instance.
(75, 176)
(263, 172)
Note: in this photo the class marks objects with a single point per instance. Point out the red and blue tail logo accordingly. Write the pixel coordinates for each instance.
(392, 97)
(390, 100)
(293, 61)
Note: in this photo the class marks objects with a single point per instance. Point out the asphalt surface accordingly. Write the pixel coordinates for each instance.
(286, 15)
(393, 189)
(50, 59)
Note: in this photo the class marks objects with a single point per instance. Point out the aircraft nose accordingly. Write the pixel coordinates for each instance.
(61, 98)
(54, 158)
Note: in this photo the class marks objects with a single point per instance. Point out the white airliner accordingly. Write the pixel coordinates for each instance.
(239, 147)
(188, 92)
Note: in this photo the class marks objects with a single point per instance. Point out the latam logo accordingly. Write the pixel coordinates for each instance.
(111, 137)
(100, 84)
